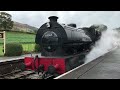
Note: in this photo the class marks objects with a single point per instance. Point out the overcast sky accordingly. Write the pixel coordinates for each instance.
(81, 18)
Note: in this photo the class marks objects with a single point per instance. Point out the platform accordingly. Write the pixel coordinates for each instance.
(104, 67)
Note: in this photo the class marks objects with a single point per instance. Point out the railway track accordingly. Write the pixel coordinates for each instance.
(11, 69)
(20, 75)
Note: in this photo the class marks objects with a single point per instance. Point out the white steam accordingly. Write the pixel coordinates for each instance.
(110, 39)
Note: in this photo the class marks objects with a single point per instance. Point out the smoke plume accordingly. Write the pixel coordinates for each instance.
(110, 40)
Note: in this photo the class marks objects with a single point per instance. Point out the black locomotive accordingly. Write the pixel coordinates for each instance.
(63, 47)
(61, 40)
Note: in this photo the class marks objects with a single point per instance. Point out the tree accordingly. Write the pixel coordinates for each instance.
(6, 22)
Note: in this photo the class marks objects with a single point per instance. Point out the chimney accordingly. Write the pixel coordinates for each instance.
(53, 18)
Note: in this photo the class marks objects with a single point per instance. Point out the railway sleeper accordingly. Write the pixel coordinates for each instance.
(19, 75)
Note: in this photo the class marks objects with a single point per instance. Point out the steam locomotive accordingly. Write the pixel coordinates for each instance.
(63, 47)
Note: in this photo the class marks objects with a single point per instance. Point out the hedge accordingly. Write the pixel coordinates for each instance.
(37, 48)
(13, 49)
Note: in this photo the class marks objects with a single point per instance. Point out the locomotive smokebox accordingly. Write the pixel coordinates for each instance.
(53, 18)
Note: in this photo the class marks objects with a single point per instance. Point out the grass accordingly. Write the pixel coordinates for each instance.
(1, 53)
(19, 37)
(28, 47)
(27, 40)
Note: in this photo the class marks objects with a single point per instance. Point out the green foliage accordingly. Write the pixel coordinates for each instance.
(13, 49)
(5, 21)
(37, 48)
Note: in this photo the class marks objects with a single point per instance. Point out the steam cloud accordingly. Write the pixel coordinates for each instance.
(110, 39)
